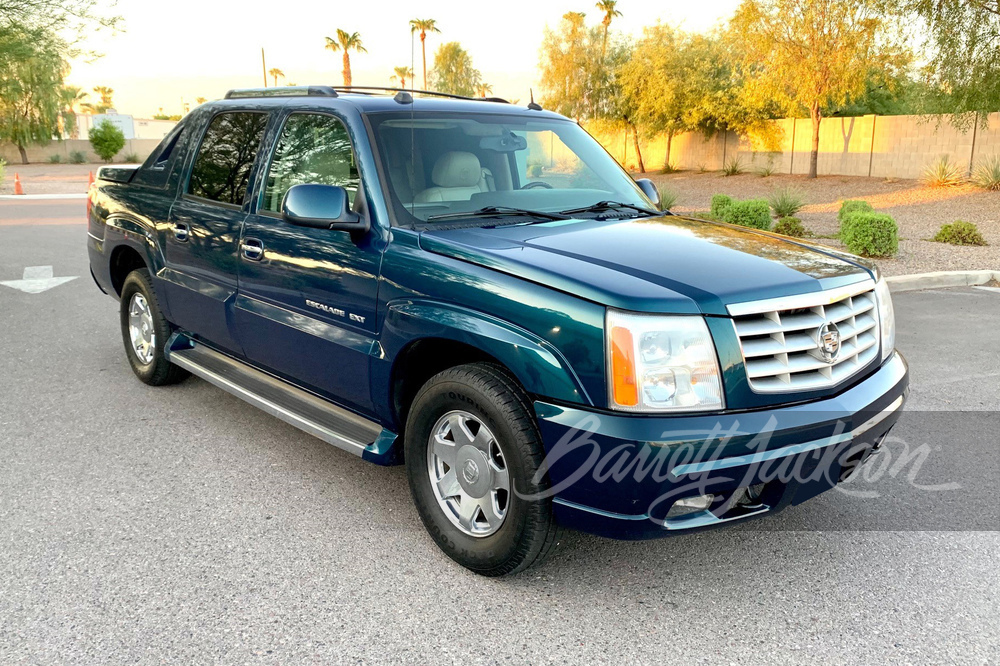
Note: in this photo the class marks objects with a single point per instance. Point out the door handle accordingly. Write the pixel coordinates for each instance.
(181, 231)
(253, 249)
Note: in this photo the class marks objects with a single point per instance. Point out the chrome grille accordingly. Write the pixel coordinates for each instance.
(780, 338)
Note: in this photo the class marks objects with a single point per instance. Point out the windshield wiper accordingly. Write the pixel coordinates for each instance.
(602, 206)
(498, 211)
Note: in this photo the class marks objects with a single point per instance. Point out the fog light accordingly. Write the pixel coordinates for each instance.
(687, 505)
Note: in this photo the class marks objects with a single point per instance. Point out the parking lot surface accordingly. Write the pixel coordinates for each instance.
(180, 525)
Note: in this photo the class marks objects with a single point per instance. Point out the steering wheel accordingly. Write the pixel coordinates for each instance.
(535, 184)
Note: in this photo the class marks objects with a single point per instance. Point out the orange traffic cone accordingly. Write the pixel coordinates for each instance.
(90, 180)
(18, 189)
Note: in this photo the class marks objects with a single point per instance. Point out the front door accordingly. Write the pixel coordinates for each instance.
(307, 297)
(202, 238)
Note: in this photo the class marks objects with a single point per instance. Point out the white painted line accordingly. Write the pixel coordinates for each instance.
(37, 279)
(995, 290)
(43, 196)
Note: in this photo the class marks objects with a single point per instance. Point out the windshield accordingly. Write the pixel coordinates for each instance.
(441, 165)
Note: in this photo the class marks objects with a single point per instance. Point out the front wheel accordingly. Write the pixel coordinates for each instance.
(472, 457)
(145, 332)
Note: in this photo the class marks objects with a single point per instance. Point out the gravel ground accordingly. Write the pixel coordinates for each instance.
(920, 212)
(48, 178)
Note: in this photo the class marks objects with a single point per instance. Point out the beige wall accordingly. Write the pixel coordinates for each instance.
(879, 146)
(37, 154)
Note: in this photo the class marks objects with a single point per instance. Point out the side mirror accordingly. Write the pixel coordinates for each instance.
(649, 189)
(321, 207)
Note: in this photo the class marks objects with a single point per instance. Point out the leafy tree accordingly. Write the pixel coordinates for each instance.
(577, 81)
(812, 54)
(609, 7)
(346, 42)
(71, 19)
(107, 140)
(31, 76)
(423, 26)
(403, 73)
(453, 72)
(963, 56)
(275, 73)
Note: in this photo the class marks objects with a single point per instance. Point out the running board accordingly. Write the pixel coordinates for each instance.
(307, 412)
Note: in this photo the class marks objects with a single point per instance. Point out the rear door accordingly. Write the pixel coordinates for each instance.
(202, 241)
(306, 308)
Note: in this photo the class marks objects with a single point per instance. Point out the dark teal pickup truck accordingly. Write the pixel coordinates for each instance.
(479, 291)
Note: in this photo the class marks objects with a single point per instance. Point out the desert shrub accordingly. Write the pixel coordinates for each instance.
(766, 170)
(3, 167)
(733, 167)
(131, 158)
(77, 157)
(785, 202)
(960, 233)
(987, 174)
(870, 234)
(720, 202)
(55, 159)
(107, 140)
(755, 213)
(943, 173)
(703, 168)
(534, 171)
(849, 207)
(669, 168)
(668, 198)
(790, 226)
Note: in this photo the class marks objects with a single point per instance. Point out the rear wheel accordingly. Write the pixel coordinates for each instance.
(472, 456)
(145, 332)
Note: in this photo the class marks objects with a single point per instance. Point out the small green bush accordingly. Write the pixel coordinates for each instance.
(131, 158)
(786, 202)
(77, 157)
(534, 171)
(942, 173)
(960, 233)
(733, 167)
(755, 213)
(870, 234)
(790, 226)
(766, 171)
(55, 159)
(702, 168)
(107, 140)
(668, 198)
(849, 207)
(987, 174)
(720, 202)
(670, 168)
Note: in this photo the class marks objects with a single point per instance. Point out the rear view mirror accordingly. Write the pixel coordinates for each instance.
(321, 207)
(649, 189)
(508, 142)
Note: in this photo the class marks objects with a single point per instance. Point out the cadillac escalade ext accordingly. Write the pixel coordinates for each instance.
(480, 292)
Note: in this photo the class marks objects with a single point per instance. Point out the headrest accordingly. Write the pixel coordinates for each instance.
(457, 169)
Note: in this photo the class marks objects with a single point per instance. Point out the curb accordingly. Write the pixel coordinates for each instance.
(25, 197)
(940, 280)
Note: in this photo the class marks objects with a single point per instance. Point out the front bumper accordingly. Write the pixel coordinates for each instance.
(618, 475)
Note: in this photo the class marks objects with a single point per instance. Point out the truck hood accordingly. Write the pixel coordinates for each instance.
(666, 264)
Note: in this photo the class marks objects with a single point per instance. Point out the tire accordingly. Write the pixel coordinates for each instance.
(485, 394)
(146, 357)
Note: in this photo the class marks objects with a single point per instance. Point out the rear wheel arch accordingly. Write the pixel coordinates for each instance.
(124, 260)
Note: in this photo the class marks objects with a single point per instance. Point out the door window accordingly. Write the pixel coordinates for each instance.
(221, 171)
(313, 148)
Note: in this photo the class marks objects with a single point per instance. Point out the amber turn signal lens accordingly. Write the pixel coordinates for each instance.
(626, 393)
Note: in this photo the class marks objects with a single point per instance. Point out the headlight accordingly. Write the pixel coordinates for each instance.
(886, 317)
(661, 363)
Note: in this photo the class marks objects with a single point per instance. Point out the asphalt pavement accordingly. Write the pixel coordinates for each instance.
(181, 525)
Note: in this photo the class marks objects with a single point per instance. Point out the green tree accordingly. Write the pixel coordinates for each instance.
(402, 74)
(107, 140)
(577, 81)
(609, 7)
(453, 72)
(274, 72)
(70, 98)
(346, 42)
(423, 26)
(808, 55)
(962, 52)
(31, 76)
(71, 19)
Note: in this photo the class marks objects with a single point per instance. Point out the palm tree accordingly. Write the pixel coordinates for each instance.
(403, 73)
(69, 98)
(423, 26)
(275, 72)
(346, 42)
(610, 12)
(200, 100)
(484, 89)
(106, 95)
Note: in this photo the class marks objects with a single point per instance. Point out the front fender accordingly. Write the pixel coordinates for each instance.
(536, 363)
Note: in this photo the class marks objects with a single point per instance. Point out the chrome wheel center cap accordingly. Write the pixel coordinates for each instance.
(474, 474)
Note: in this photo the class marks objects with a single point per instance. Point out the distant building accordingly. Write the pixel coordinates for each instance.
(132, 128)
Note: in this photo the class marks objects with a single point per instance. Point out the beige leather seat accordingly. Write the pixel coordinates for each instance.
(457, 176)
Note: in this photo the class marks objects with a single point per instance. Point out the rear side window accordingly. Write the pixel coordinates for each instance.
(221, 170)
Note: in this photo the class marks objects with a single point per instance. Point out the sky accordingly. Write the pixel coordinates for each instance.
(171, 53)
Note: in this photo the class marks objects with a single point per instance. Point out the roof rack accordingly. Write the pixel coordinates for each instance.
(282, 91)
(363, 91)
